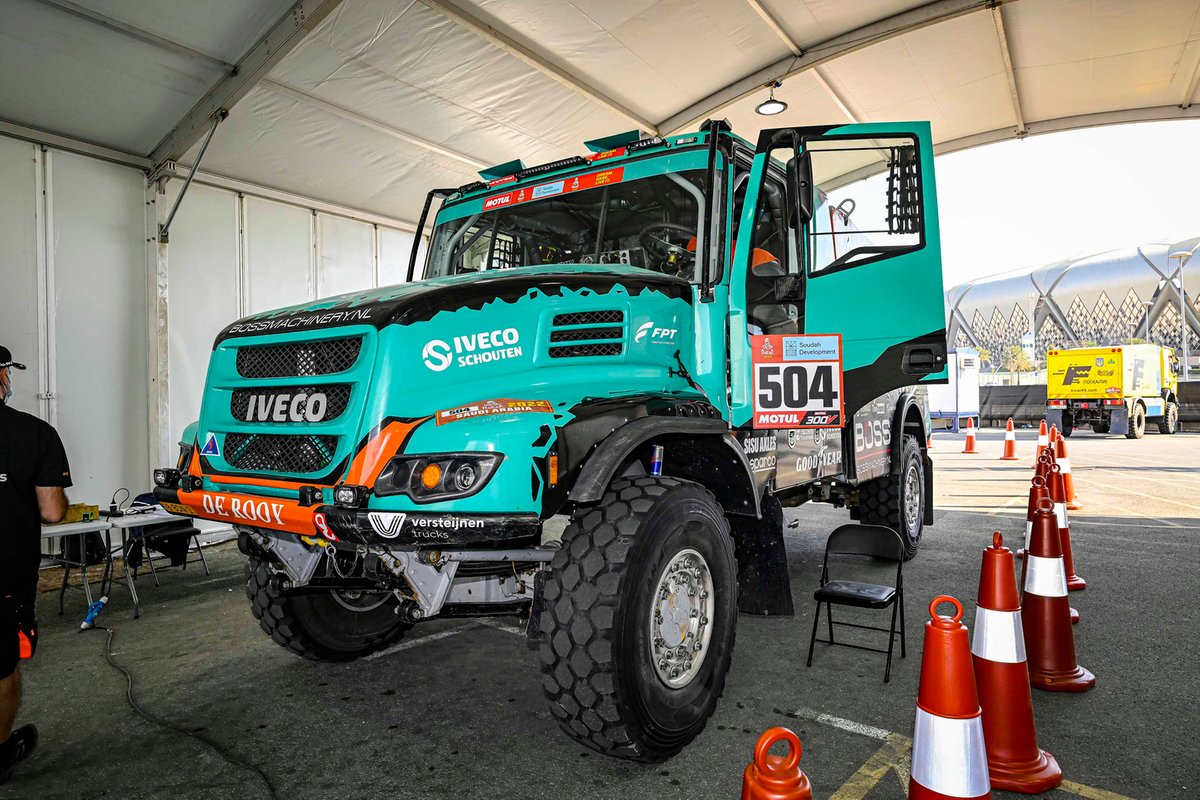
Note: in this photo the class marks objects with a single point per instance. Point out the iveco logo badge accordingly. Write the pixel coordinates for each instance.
(287, 407)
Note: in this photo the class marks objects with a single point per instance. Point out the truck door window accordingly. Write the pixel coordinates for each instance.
(773, 255)
(866, 200)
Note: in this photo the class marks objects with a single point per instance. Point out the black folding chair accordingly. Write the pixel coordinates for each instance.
(862, 540)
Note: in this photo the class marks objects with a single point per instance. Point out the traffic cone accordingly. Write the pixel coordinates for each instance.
(948, 755)
(770, 777)
(1015, 762)
(970, 447)
(1036, 489)
(1043, 440)
(1061, 458)
(1058, 494)
(1045, 615)
(1052, 438)
(1010, 443)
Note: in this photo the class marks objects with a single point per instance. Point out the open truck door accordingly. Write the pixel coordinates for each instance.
(863, 250)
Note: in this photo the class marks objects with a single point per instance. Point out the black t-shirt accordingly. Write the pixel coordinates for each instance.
(31, 454)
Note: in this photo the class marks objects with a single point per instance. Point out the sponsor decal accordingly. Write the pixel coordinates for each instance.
(310, 320)
(287, 407)
(797, 381)
(604, 177)
(472, 349)
(760, 449)
(620, 151)
(656, 334)
(487, 408)
(248, 510)
(211, 448)
(502, 181)
(1100, 361)
(1076, 372)
(179, 508)
(391, 525)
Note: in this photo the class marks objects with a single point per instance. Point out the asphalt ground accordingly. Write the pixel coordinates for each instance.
(456, 709)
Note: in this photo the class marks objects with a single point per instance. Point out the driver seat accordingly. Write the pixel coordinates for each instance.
(763, 310)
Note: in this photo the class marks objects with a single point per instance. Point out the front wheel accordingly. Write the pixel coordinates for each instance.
(1169, 421)
(898, 500)
(1137, 422)
(639, 618)
(322, 626)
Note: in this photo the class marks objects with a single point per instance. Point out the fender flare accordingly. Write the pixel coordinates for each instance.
(706, 441)
(904, 402)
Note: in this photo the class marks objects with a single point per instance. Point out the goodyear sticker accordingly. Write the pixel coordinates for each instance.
(487, 408)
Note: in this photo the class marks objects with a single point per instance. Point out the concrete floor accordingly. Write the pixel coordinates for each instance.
(457, 711)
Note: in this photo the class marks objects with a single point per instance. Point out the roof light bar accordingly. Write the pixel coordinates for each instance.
(642, 144)
(573, 161)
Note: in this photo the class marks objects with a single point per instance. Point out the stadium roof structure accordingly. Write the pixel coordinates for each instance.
(1106, 298)
(369, 103)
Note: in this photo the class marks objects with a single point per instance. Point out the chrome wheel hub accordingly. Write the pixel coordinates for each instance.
(912, 497)
(681, 618)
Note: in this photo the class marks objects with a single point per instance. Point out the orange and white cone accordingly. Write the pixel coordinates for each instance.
(970, 446)
(1015, 762)
(1036, 489)
(1010, 443)
(949, 759)
(1058, 494)
(1043, 440)
(1061, 458)
(1045, 613)
(771, 777)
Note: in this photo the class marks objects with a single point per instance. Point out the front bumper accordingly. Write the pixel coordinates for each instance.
(360, 526)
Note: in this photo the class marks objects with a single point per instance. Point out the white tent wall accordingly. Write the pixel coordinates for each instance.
(75, 227)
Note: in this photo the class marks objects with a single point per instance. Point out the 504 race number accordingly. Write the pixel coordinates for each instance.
(797, 381)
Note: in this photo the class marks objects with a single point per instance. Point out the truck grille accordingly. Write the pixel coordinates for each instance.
(337, 397)
(279, 452)
(604, 336)
(322, 357)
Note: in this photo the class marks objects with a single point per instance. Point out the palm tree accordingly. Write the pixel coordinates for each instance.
(1015, 360)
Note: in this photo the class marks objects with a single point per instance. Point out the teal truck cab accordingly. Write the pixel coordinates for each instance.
(664, 342)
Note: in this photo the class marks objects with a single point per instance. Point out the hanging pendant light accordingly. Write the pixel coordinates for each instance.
(770, 107)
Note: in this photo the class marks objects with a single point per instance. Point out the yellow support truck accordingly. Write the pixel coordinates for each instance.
(1113, 389)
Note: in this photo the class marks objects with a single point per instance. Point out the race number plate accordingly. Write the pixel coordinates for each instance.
(797, 381)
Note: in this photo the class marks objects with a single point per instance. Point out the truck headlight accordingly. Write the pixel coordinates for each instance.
(437, 476)
(349, 496)
(166, 478)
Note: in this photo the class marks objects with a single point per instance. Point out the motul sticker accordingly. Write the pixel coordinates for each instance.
(564, 186)
(797, 381)
(211, 448)
(488, 408)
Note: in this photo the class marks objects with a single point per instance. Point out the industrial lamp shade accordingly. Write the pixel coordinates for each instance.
(770, 107)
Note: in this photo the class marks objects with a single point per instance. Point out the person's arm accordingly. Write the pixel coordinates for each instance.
(52, 478)
(52, 503)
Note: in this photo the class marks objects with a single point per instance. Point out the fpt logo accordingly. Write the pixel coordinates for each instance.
(436, 354)
(1074, 372)
(657, 335)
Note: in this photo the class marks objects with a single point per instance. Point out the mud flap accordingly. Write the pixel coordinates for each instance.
(533, 626)
(1119, 421)
(763, 583)
(928, 520)
(1054, 418)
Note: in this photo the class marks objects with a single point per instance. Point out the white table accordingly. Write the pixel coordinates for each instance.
(80, 529)
(125, 523)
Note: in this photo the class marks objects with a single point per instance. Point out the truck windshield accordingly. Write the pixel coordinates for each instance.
(650, 222)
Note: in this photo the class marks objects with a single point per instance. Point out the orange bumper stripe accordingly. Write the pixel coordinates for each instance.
(239, 509)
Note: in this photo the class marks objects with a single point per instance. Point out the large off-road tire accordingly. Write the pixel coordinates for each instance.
(1169, 421)
(322, 626)
(630, 572)
(898, 500)
(1137, 422)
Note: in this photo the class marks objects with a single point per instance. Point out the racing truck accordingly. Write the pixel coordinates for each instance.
(661, 344)
(1113, 389)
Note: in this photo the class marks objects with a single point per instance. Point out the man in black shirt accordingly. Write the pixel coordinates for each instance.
(33, 474)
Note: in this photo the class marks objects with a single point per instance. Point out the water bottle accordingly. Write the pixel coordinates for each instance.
(93, 611)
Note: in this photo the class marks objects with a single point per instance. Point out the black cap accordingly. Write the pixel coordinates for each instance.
(6, 359)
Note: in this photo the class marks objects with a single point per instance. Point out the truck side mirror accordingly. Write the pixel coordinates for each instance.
(799, 189)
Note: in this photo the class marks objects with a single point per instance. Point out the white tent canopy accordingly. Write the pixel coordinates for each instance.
(369, 103)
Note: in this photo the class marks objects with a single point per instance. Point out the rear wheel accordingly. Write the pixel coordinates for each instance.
(1137, 422)
(1169, 421)
(1068, 424)
(322, 626)
(1103, 426)
(898, 500)
(639, 618)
